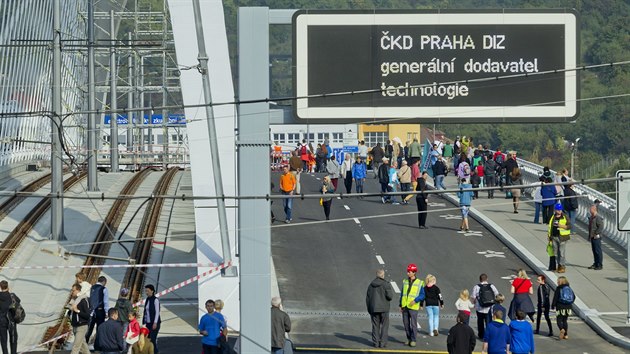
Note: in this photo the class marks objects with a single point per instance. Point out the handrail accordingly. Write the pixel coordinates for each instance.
(586, 195)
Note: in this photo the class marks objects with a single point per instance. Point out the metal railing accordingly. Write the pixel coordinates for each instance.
(586, 195)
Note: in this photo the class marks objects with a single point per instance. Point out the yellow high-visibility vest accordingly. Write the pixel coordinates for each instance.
(409, 295)
(561, 221)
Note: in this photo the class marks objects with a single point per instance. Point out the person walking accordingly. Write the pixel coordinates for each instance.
(433, 303)
(461, 338)
(543, 304)
(522, 287)
(439, 173)
(537, 197)
(415, 174)
(99, 305)
(383, 179)
(346, 172)
(559, 232)
(109, 335)
(490, 175)
(79, 317)
(211, 326)
(483, 295)
(295, 166)
(393, 185)
(464, 305)
(132, 333)
(521, 335)
(359, 173)
(415, 151)
(377, 158)
(124, 307)
(595, 229)
(563, 300)
(516, 180)
(410, 298)
(334, 170)
(570, 202)
(497, 337)
(422, 200)
(151, 318)
(287, 187)
(465, 195)
(379, 295)
(280, 324)
(404, 176)
(8, 330)
(327, 188)
(548, 194)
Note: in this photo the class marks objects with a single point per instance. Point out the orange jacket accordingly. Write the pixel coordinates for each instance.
(287, 182)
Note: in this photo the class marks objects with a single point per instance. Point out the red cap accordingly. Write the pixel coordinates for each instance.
(412, 268)
(144, 331)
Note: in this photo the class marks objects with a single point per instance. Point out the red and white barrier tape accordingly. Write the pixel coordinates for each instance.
(169, 265)
(188, 281)
(44, 343)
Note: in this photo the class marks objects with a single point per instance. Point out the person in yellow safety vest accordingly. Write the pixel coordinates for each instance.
(559, 233)
(410, 298)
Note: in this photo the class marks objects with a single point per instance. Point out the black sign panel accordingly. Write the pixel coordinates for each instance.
(462, 66)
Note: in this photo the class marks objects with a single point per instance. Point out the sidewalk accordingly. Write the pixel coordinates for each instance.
(602, 299)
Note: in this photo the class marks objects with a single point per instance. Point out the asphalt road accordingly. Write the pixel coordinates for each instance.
(324, 268)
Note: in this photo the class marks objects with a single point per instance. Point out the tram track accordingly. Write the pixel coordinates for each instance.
(13, 201)
(21, 231)
(107, 233)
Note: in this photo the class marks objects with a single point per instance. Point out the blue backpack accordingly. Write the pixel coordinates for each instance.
(567, 297)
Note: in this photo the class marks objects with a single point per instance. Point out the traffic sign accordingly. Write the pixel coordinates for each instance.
(623, 200)
(436, 66)
(350, 142)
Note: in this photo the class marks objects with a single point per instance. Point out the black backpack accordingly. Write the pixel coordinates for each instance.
(485, 298)
(16, 312)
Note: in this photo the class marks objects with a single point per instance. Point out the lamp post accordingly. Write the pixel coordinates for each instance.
(573, 153)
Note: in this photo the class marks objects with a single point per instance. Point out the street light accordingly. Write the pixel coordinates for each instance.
(574, 147)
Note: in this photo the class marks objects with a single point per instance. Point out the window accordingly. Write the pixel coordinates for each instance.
(293, 138)
(411, 136)
(160, 139)
(371, 138)
(321, 137)
(337, 137)
(279, 137)
(310, 137)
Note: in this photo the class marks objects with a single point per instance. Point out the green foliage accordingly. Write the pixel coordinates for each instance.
(605, 37)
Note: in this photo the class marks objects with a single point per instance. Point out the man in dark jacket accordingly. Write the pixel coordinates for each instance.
(439, 172)
(5, 323)
(595, 228)
(461, 338)
(570, 202)
(379, 294)
(383, 179)
(509, 165)
(377, 158)
(151, 318)
(79, 317)
(280, 323)
(109, 335)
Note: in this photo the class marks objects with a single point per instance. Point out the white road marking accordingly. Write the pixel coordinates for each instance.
(432, 204)
(380, 259)
(395, 286)
(356, 220)
(450, 216)
(492, 254)
(509, 277)
(347, 207)
(317, 178)
(339, 198)
(367, 237)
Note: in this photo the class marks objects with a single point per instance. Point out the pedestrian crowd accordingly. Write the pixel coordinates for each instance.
(501, 330)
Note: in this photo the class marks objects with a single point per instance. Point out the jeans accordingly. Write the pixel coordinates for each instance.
(95, 320)
(405, 187)
(326, 204)
(559, 249)
(277, 350)
(385, 189)
(288, 204)
(482, 321)
(596, 246)
(439, 182)
(375, 166)
(347, 181)
(434, 318)
(210, 349)
(490, 181)
(359, 184)
(562, 323)
(572, 214)
(540, 312)
(422, 210)
(539, 208)
(410, 322)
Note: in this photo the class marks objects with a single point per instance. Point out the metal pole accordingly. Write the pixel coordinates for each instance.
(253, 154)
(113, 96)
(628, 268)
(130, 97)
(92, 184)
(572, 160)
(164, 112)
(142, 112)
(56, 187)
(214, 146)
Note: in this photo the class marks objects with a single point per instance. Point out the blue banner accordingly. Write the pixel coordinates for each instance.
(155, 119)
